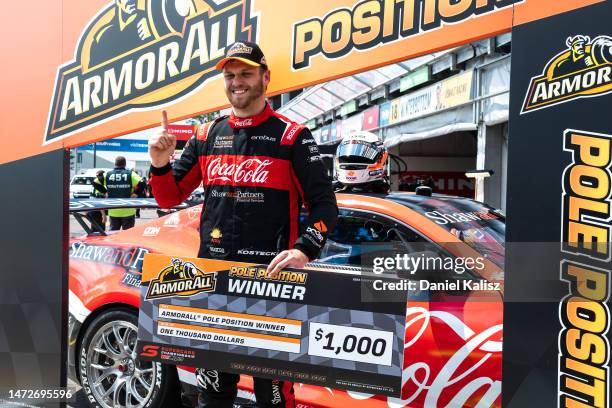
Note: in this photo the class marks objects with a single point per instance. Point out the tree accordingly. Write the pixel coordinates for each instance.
(206, 117)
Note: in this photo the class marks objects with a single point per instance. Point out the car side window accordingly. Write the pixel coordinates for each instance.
(346, 244)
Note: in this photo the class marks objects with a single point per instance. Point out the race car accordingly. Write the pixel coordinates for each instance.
(453, 343)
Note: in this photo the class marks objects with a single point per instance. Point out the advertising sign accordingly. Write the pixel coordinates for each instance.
(416, 104)
(352, 124)
(311, 124)
(291, 325)
(443, 182)
(446, 94)
(558, 268)
(385, 114)
(85, 71)
(118, 145)
(107, 68)
(336, 130)
(182, 132)
(455, 91)
(394, 111)
(348, 108)
(417, 77)
(370, 118)
(325, 133)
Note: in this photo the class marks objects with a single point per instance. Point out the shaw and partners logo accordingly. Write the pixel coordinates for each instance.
(142, 53)
(584, 69)
(181, 279)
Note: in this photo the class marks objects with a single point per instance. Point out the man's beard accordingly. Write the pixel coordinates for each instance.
(253, 93)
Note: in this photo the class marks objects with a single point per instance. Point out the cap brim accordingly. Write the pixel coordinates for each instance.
(224, 61)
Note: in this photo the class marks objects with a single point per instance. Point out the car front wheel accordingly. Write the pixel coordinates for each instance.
(110, 373)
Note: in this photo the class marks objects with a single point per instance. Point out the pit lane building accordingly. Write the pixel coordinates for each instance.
(442, 114)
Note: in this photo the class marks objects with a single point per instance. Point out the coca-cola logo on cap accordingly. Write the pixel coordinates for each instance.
(249, 170)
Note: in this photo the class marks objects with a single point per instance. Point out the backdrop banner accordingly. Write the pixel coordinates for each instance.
(76, 72)
(34, 273)
(559, 196)
(107, 69)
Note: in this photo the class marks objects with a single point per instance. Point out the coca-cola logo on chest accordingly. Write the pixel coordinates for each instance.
(249, 170)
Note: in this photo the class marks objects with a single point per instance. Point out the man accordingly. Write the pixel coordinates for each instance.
(99, 191)
(257, 168)
(141, 192)
(121, 183)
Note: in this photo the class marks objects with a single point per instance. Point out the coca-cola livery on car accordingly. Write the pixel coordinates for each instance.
(453, 337)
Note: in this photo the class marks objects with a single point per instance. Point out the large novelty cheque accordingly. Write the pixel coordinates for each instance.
(309, 326)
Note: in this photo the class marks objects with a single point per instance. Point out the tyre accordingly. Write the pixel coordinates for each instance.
(110, 374)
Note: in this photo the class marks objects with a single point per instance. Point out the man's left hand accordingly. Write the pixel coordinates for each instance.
(293, 258)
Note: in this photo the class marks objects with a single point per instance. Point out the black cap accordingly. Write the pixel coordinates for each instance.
(244, 51)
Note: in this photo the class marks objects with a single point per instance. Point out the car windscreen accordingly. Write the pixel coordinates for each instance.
(79, 181)
(481, 227)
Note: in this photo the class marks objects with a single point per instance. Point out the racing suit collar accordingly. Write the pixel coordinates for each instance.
(238, 123)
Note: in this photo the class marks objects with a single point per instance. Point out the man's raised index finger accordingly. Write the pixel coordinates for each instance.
(164, 120)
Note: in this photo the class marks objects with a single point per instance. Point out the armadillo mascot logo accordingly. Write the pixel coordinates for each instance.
(584, 69)
(181, 279)
(142, 53)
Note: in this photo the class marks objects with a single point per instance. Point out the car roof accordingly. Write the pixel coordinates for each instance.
(416, 198)
(391, 205)
(409, 199)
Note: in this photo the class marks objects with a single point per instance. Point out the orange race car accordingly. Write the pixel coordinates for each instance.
(453, 343)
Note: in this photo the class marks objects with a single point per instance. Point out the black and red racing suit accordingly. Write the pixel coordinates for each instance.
(257, 172)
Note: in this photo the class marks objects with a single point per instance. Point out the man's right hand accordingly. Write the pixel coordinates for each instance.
(162, 145)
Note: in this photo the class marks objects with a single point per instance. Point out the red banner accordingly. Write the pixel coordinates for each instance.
(182, 132)
(443, 182)
(370, 118)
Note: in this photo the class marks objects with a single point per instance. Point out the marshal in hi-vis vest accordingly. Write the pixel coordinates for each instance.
(120, 183)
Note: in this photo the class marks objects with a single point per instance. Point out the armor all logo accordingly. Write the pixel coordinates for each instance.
(139, 54)
(180, 278)
(583, 69)
(247, 171)
(239, 48)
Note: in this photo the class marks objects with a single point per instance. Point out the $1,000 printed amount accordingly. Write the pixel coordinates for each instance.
(350, 343)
